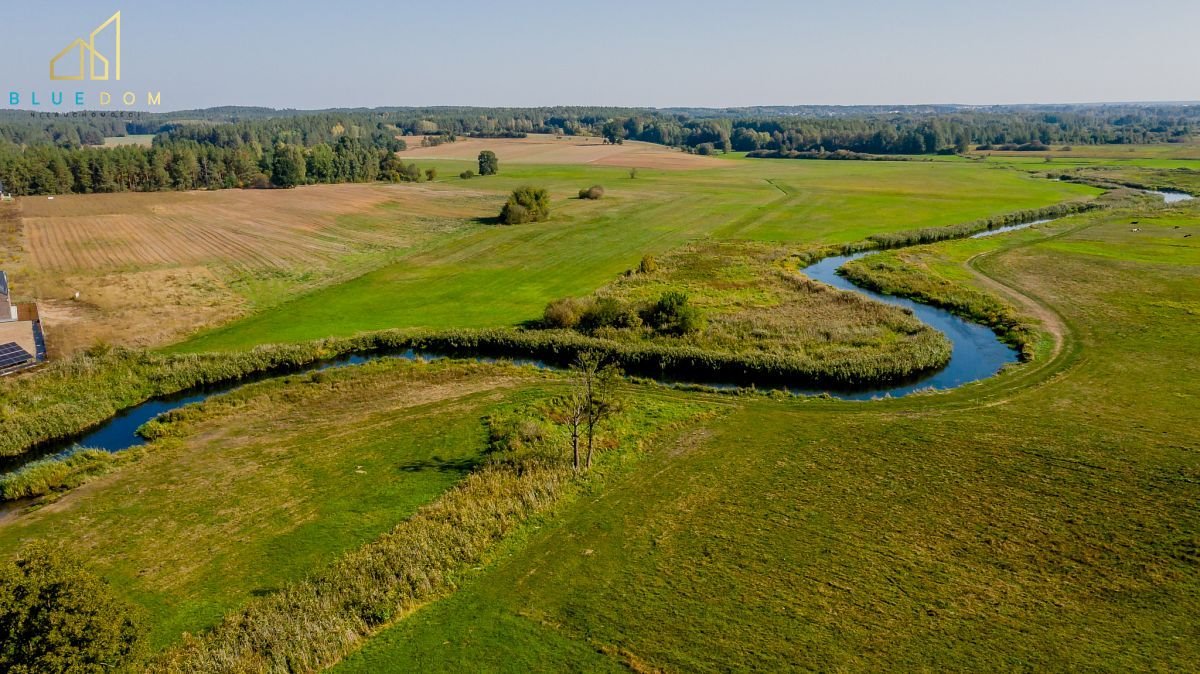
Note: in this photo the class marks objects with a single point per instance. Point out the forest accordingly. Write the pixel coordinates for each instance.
(259, 147)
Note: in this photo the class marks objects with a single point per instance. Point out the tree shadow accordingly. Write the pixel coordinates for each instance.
(439, 464)
(487, 220)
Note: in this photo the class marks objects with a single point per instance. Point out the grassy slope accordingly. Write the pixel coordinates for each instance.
(1054, 530)
(493, 275)
(292, 477)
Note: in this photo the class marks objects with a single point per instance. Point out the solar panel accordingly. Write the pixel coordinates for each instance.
(12, 354)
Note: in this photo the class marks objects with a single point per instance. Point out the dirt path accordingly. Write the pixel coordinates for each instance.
(1051, 322)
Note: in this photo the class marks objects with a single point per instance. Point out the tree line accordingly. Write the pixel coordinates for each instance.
(189, 165)
(259, 147)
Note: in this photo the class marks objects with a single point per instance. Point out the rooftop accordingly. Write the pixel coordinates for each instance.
(19, 333)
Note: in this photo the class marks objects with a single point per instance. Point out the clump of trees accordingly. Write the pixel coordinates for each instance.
(593, 192)
(591, 401)
(526, 204)
(489, 164)
(55, 616)
(395, 170)
(671, 314)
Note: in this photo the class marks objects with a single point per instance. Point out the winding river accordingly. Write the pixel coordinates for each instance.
(977, 354)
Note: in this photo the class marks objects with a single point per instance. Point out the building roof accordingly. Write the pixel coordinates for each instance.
(21, 333)
(12, 355)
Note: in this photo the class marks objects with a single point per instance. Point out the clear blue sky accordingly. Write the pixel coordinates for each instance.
(310, 54)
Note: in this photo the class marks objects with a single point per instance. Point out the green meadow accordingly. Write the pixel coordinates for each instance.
(491, 275)
(1042, 519)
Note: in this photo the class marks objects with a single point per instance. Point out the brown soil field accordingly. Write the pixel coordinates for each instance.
(151, 268)
(255, 228)
(548, 149)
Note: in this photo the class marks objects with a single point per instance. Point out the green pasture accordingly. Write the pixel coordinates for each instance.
(489, 275)
(1055, 529)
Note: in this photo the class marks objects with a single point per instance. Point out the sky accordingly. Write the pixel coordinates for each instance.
(319, 54)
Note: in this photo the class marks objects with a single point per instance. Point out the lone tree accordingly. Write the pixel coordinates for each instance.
(596, 383)
(591, 402)
(526, 204)
(488, 163)
(57, 617)
(570, 410)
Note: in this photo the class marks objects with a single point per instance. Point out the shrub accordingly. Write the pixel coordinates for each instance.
(565, 312)
(608, 312)
(648, 265)
(706, 149)
(431, 174)
(593, 192)
(57, 617)
(488, 163)
(467, 175)
(526, 204)
(672, 314)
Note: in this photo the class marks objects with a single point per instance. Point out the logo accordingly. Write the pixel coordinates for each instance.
(89, 50)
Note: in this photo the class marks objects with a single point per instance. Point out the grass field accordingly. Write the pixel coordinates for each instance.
(547, 149)
(144, 140)
(152, 268)
(254, 494)
(1043, 519)
(935, 533)
(489, 275)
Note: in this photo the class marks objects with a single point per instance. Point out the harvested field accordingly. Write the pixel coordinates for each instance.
(252, 228)
(547, 149)
(151, 268)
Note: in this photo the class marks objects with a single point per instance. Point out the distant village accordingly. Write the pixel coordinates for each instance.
(22, 343)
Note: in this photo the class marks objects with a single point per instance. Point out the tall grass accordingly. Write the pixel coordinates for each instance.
(39, 478)
(73, 395)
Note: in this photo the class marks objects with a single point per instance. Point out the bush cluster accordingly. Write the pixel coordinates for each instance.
(593, 192)
(670, 315)
(526, 204)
